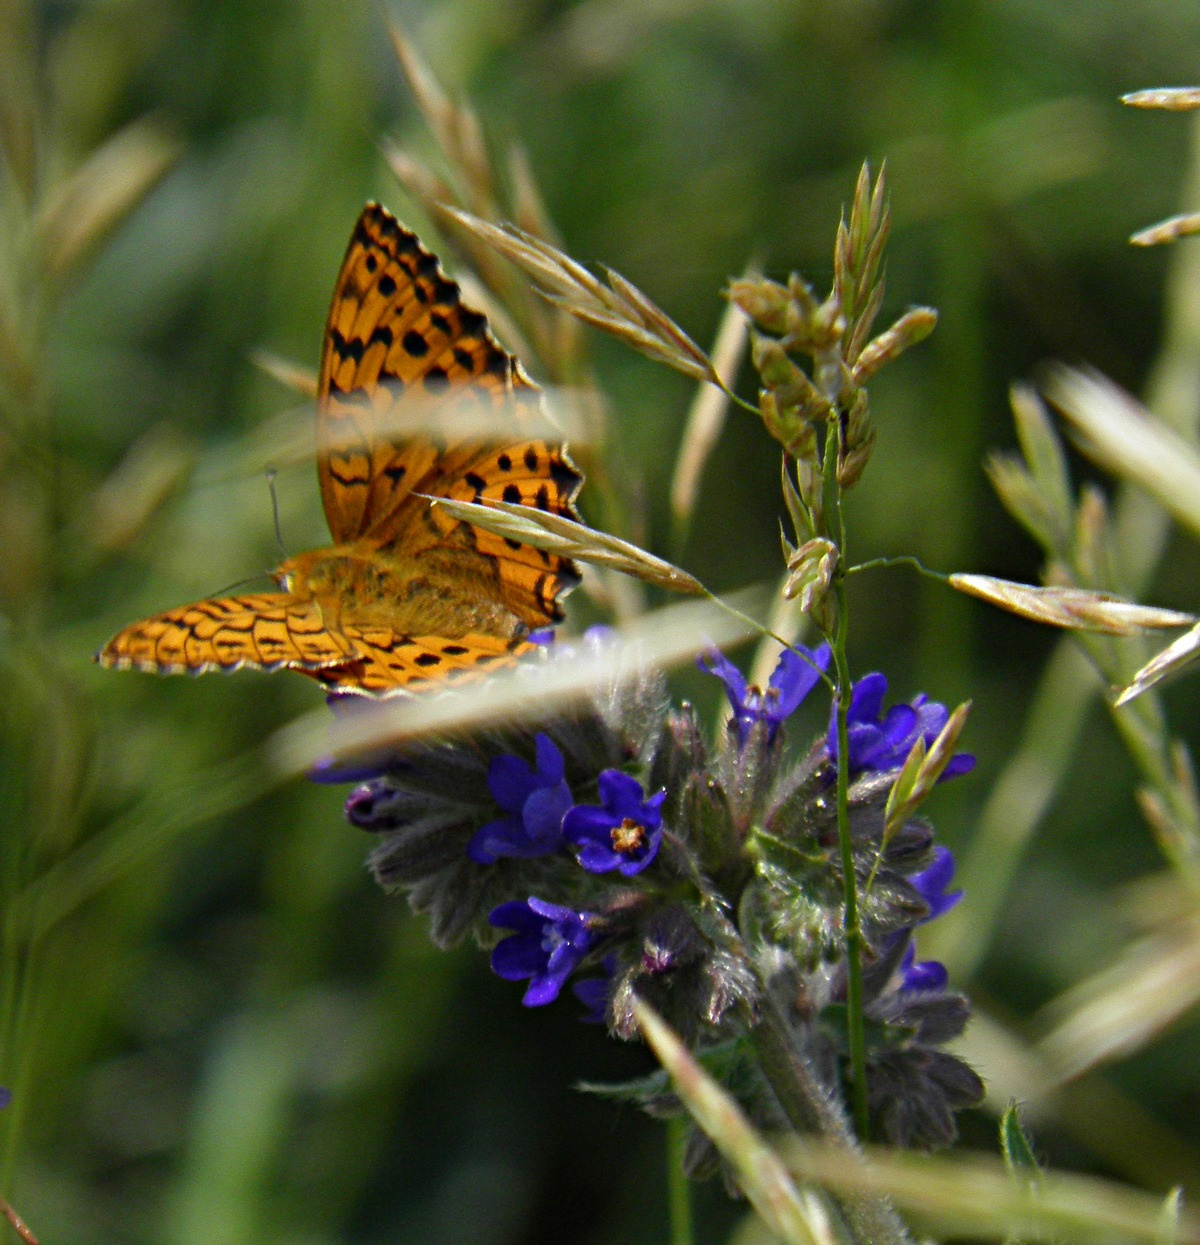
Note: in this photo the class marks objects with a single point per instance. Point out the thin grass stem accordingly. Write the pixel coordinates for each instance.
(679, 1192)
(856, 1031)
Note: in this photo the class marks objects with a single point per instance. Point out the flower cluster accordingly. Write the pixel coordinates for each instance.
(613, 846)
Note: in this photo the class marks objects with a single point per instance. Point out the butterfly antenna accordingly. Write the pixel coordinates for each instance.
(241, 583)
(271, 474)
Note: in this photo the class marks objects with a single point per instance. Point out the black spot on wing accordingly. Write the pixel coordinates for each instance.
(346, 349)
(564, 475)
(385, 222)
(446, 293)
(347, 481)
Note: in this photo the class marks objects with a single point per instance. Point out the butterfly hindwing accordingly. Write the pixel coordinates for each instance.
(530, 473)
(388, 663)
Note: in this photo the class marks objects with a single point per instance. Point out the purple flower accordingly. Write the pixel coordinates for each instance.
(547, 946)
(794, 676)
(376, 805)
(927, 975)
(930, 884)
(623, 833)
(879, 741)
(595, 993)
(534, 801)
(932, 881)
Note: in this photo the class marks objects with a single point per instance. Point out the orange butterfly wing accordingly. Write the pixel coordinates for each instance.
(388, 662)
(401, 351)
(399, 337)
(267, 631)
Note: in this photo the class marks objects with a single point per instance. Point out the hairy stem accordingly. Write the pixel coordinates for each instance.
(812, 1109)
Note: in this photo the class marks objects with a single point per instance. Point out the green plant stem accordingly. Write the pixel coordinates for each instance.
(902, 559)
(679, 1194)
(766, 631)
(856, 1032)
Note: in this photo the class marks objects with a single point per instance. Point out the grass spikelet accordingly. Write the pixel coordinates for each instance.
(1074, 609)
(100, 194)
(619, 308)
(563, 536)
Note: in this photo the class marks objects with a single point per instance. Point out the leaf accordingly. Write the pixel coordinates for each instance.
(1015, 1148)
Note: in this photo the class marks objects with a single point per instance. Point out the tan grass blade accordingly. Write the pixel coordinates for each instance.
(1172, 98)
(1178, 657)
(152, 469)
(976, 1196)
(529, 692)
(289, 373)
(761, 1175)
(288, 438)
(19, 1225)
(455, 126)
(1150, 985)
(1167, 230)
(706, 417)
(619, 308)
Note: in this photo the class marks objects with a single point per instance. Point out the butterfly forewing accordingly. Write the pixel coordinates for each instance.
(266, 630)
(399, 335)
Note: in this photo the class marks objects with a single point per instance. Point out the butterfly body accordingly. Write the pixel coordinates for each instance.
(450, 592)
(415, 401)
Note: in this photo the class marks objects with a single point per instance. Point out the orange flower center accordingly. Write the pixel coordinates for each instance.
(628, 836)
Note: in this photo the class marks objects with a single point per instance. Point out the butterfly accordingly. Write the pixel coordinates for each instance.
(407, 598)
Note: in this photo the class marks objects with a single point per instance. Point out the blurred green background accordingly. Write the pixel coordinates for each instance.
(215, 1027)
